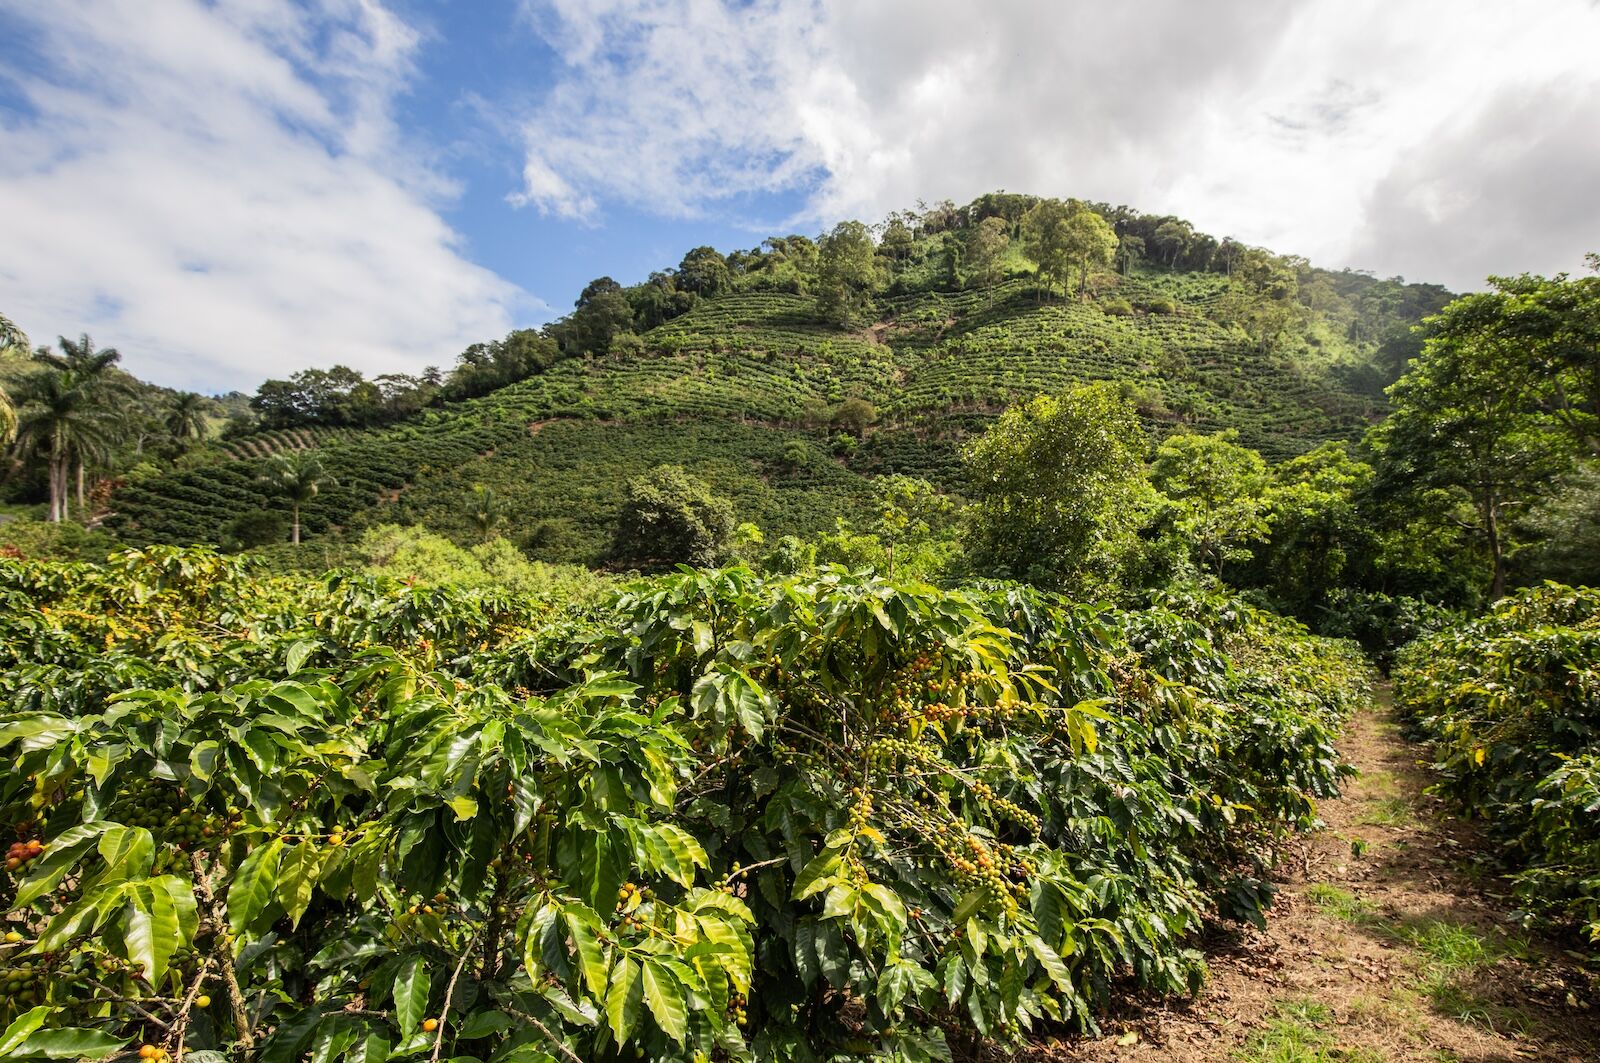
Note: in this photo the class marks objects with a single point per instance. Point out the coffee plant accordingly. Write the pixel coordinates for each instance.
(714, 817)
(1511, 701)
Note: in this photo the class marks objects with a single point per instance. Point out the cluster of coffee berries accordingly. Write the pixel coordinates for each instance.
(860, 809)
(736, 1005)
(1005, 807)
(21, 854)
(440, 904)
(153, 1052)
(976, 862)
(884, 754)
(164, 811)
(23, 985)
(629, 898)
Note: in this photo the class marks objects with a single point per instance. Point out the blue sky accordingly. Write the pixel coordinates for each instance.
(481, 64)
(231, 189)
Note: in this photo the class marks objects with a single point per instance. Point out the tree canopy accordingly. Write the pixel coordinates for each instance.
(1058, 489)
(671, 517)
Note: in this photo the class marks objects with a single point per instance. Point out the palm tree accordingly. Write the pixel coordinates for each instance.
(186, 417)
(485, 512)
(296, 477)
(90, 371)
(11, 339)
(62, 423)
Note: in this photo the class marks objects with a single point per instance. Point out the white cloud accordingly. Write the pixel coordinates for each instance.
(1314, 128)
(220, 191)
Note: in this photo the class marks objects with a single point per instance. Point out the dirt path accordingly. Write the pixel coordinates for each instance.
(1386, 943)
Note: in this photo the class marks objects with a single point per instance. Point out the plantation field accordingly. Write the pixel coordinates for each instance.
(713, 816)
(727, 386)
(1511, 701)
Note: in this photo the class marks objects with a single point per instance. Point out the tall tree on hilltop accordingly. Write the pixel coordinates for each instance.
(986, 246)
(1172, 240)
(845, 271)
(1062, 237)
(704, 271)
(1045, 241)
(1130, 249)
(1090, 243)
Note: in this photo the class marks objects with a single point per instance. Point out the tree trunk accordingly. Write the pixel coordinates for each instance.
(80, 489)
(57, 483)
(295, 535)
(1491, 527)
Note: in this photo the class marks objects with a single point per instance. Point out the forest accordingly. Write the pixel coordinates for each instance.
(910, 643)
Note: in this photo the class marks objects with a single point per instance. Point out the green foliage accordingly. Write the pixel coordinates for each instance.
(1563, 532)
(704, 272)
(64, 541)
(670, 517)
(1063, 237)
(1215, 494)
(296, 477)
(845, 271)
(416, 556)
(1320, 528)
(1512, 703)
(253, 528)
(697, 823)
(1472, 415)
(1058, 490)
(854, 415)
(985, 248)
(725, 387)
(1262, 297)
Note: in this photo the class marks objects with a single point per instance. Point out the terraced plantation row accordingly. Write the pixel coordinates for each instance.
(264, 444)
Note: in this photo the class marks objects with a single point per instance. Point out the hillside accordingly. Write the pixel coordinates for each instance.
(741, 388)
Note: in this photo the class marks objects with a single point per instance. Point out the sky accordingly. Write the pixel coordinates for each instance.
(227, 190)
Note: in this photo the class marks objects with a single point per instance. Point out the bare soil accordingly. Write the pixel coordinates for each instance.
(1389, 940)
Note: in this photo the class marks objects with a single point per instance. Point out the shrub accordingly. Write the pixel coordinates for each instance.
(1512, 703)
(253, 528)
(670, 517)
(64, 540)
(715, 816)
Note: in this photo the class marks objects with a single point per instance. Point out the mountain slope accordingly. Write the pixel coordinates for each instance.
(741, 388)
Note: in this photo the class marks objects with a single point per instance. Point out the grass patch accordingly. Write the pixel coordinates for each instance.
(1296, 1033)
(1389, 812)
(1458, 947)
(1452, 955)
(1394, 1012)
(1380, 783)
(1339, 903)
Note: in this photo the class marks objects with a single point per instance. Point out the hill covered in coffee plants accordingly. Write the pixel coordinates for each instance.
(791, 374)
